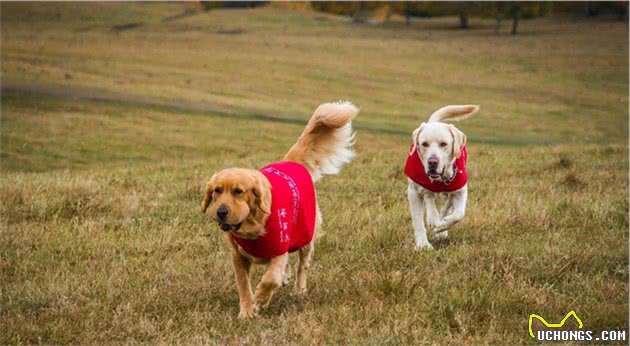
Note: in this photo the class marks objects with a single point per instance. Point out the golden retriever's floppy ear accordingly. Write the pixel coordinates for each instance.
(260, 204)
(207, 198)
(459, 139)
(414, 138)
(262, 194)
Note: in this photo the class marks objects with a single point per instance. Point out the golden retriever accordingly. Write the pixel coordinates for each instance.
(250, 212)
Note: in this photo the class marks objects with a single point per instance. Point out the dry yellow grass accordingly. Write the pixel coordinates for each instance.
(102, 241)
(558, 73)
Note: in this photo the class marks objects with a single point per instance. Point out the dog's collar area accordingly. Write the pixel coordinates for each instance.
(441, 178)
(226, 227)
(455, 171)
(416, 172)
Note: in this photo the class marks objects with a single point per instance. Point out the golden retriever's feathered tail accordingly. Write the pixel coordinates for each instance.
(453, 113)
(326, 143)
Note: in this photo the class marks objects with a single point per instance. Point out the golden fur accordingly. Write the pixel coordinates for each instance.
(249, 207)
(323, 147)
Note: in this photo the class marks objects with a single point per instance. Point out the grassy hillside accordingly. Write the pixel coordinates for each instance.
(558, 74)
(108, 135)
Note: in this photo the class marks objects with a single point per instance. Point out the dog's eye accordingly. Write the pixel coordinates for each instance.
(443, 144)
(425, 144)
(218, 190)
(237, 191)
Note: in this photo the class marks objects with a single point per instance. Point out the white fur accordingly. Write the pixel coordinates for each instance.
(453, 113)
(423, 201)
(342, 152)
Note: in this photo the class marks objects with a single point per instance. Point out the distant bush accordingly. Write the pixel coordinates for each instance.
(292, 5)
(346, 8)
(208, 5)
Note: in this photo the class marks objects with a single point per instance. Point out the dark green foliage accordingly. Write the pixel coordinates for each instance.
(593, 8)
(208, 5)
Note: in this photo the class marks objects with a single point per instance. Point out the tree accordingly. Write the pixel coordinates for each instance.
(590, 10)
(498, 14)
(407, 11)
(208, 5)
(346, 8)
(463, 9)
(359, 15)
(515, 10)
(515, 13)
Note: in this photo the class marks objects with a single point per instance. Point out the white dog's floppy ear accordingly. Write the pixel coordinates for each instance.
(459, 139)
(414, 138)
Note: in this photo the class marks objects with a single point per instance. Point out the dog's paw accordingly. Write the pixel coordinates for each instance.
(248, 312)
(440, 235)
(422, 247)
(439, 228)
(262, 304)
(286, 278)
(300, 291)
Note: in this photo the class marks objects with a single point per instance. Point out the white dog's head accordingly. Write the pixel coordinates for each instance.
(439, 144)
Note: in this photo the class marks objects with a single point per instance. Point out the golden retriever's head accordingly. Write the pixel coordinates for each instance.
(438, 145)
(239, 201)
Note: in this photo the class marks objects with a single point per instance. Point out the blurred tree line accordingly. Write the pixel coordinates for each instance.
(514, 11)
(208, 5)
(499, 10)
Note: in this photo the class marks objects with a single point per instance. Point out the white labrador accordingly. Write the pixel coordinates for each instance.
(436, 164)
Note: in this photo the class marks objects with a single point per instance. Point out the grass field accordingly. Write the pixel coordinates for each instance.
(108, 135)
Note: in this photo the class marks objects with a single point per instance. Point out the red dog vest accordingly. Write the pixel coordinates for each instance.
(414, 170)
(291, 224)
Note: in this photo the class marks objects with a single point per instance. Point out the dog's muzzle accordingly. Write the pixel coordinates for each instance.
(434, 175)
(226, 227)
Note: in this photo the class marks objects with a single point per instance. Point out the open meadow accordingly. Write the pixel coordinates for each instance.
(114, 116)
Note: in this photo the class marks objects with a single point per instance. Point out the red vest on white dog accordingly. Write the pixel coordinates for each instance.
(414, 170)
(291, 224)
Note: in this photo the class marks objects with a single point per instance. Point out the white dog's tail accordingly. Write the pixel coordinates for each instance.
(326, 143)
(453, 113)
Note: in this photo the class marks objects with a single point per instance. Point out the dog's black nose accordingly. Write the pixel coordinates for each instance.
(433, 162)
(222, 213)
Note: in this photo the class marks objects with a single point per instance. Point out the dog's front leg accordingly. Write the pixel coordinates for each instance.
(446, 210)
(271, 280)
(241, 266)
(416, 205)
(433, 214)
(458, 207)
(448, 206)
